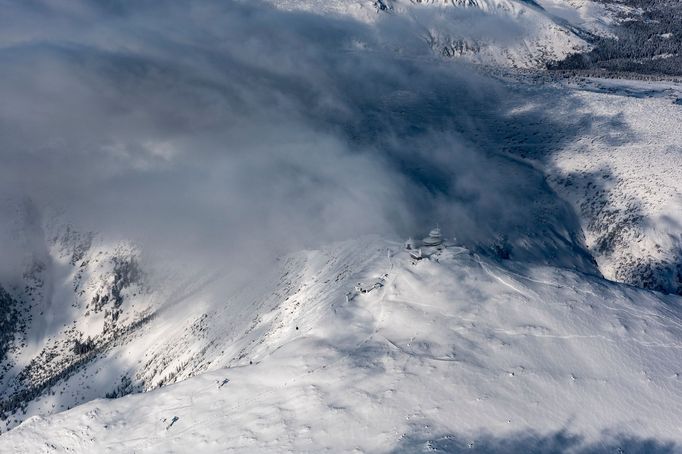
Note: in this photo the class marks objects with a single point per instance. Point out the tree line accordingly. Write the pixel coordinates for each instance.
(648, 40)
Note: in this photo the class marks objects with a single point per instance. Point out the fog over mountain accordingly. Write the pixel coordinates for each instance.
(220, 192)
(214, 125)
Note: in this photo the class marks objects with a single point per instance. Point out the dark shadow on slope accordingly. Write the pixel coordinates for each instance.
(531, 443)
(618, 223)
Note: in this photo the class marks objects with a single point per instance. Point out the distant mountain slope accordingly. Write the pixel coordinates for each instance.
(445, 354)
(513, 33)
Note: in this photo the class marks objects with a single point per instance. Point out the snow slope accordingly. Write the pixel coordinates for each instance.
(595, 17)
(452, 352)
(628, 190)
(620, 171)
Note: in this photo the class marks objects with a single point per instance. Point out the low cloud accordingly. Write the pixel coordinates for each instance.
(224, 128)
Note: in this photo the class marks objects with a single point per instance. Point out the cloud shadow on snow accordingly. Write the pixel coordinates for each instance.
(531, 442)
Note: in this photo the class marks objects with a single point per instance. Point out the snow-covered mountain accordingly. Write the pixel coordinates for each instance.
(90, 317)
(93, 317)
(185, 200)
(513, 33)
(358, 346)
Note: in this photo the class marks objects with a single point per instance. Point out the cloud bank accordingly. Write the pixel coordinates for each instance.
(223, 128)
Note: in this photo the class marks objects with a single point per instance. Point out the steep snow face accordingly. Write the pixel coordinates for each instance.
(74, 295)
(510, 33)
(446, 353)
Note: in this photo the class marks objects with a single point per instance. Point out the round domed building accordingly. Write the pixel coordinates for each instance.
(434, 239)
